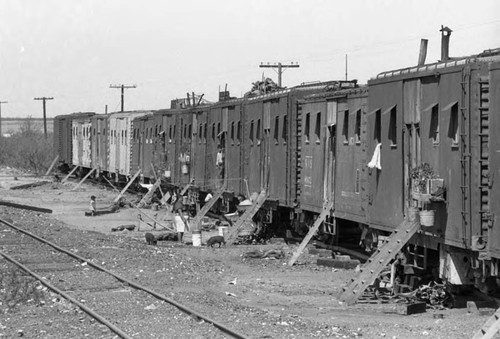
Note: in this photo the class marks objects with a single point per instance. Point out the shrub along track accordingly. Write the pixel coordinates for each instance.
(79, 280)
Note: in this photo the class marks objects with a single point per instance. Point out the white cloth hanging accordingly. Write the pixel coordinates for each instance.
(375, 162)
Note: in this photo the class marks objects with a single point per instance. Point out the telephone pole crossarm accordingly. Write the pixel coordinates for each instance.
(281, 68)
(44, 99)
(122, 87)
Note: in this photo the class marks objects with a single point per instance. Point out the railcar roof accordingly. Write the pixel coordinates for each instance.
(485, 56)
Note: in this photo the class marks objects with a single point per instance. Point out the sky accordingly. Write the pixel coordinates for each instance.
(73, 50)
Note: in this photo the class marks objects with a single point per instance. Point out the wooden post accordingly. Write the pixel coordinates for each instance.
(52, 165)
(310, 234)
(156, 178)
(69, 174)
(84, 178)
(127, 186)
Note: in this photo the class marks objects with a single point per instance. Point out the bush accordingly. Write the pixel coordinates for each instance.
(27, 149)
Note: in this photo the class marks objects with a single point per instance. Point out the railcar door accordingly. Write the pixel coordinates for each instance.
(412, 143)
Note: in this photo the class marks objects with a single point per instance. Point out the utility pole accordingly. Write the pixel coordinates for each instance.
(1, 102)
(281, 68)
(122, 87)
(44, 114)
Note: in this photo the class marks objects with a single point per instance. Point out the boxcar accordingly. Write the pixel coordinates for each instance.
(82, 153)
(120, 127)
(439, 115)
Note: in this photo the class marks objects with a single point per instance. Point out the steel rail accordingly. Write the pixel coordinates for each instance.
(66, 296)
(183, 308)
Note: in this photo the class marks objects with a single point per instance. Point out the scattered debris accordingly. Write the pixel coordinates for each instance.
(123, 228)
(271, 254)
(231, 294)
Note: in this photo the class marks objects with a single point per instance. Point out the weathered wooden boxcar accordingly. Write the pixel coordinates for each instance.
(441, 115)
(64, 134)
(81, 126)
(99, 142)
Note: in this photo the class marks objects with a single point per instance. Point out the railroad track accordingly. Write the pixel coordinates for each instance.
(89, 286)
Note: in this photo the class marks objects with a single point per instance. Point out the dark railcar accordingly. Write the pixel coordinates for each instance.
(439, 115)
(333, 151)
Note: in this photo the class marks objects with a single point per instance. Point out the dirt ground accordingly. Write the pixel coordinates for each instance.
(267, 298)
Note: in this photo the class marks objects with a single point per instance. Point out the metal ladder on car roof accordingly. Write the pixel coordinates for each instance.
(490, 327)
(249, 213)
(377, 262)
(208, 205)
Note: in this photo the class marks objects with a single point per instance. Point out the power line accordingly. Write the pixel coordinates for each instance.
(122, 87)
(44, 114)
(280, 68)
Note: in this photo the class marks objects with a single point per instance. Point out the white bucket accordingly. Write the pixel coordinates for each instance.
(196, 238)
(223, 230)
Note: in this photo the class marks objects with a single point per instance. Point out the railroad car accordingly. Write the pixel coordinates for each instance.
(433, 125)
(333, 157)
(65, 134)
(120, 127)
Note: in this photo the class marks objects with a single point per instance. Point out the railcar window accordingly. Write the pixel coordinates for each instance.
(257, 132)
(251, 133)
(125, 138)
(200, 133)
(170, 133)
(205, 133)
(377, 133)
(453, 126)
(213, 131)
(284, 134)
(173, 133)
(434, 128)
(393, 127)
(317, 129)
(357, 127)
(307, 126)
(276, 129)
(232, 133)
(345, 128)
(218, 129)
(190, 131)
(238, 132)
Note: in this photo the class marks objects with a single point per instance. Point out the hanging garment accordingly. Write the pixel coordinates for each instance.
(375, 162)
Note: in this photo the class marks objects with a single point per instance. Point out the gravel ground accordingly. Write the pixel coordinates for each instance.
(261, 298)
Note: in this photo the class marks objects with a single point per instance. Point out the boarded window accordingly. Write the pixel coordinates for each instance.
(213, 131)
(276, 129)
(453, 132)
(331, 113)
(307, 126)
(190, 131)
(267, 115)
(393, 127)
(357, 127)
(434, 127)
(200, 133)
(317, 128)
(345, 127)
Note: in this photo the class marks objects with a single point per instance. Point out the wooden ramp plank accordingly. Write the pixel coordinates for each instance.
(490, 327)
(324, 213)
(150, 193)
(69, 174)
(84, 178)
(52, 165)
(208, 205)
(377, 262)
(127, 186)
(249, 213)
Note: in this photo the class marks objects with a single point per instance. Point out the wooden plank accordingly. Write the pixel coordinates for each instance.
(490, 327)
(52, 165)
(25, 207)
(410, 308)
(127, 186)
(311, 233)
(150, 193)
(33, 184)
(208, 205)
(84, 178)
(249, 213)
(69, 174)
